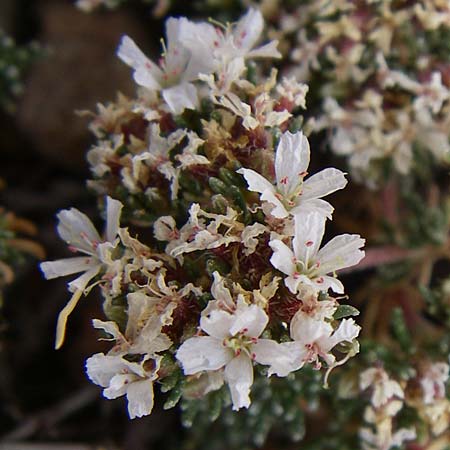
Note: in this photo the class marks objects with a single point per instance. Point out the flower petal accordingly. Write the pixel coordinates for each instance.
(239, 376)
(249, 320)
(140, 398)
(113, 211)
(282, 258)
(203, 353)
(77, 230)
(180, 97)
(291, 162)
(101, 368)
(342, 251)
(146, 73)
(313, 205)
(67, 266)
(323, 183)
(255, 181)
(309, 231)
(248, 29)
(273, 354)
(217, 323)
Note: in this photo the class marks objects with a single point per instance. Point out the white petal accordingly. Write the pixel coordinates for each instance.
(279, 211)
(118, 385)
(342, 251)
(323, 183)
(77, 230)
(313, 205)
(101, 368)
(269, 50)
(307, 330)
(67, 266)
(282, 258)
(180, 97)
(146, 73)
(113, 211)
(248, 29)
(203, 353)
(255, 181)
(239, 376)
(220, 292)
(249, 320)
(325, 282)
(347, 331)
(309, 231)
(273, 354)
(291, 161)
(298, 354)
(109, 327)
(217, 324)
(82, 281)
(140, 398)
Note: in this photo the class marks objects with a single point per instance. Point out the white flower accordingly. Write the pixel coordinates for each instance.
(219, 47)
(314, 339)
(292, 195)
(384, 388)
(120, 377)
(79, 232)
(232, 344)
(174, 75)
(433, 382)
(306, 263)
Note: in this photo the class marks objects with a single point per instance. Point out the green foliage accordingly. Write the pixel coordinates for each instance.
(14, 62)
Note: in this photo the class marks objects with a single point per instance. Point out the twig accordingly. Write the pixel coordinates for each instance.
(51, 416)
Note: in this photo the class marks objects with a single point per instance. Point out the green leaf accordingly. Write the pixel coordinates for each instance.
(345, 311)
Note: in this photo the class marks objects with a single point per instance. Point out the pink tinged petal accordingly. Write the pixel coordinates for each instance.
(291, 162)
(146, 73)
(140, 398)
(323, 183)
(180, 97)
(248, 29)
(249, 320)
(308, 234)
(77, 230)
(313, 205)
(255, 181)
(279, 211)
(113, 211)
(239, 377)
(101, 368)
(67, 266)
(341, 252)
(282, 258)
(325, 282)
(273, 354)
(203, 353)
(217, 324)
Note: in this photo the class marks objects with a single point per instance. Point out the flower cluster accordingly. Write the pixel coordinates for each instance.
(219, 278)
(383, 74)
